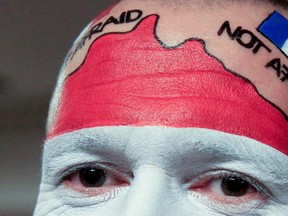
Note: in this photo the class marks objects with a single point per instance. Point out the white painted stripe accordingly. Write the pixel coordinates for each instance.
(165, 161)
(285, 47)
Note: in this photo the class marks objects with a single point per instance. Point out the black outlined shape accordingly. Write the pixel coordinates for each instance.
(262, 23)
(176, 46)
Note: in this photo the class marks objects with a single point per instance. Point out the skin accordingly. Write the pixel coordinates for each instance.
(163, 176)
(169, 169)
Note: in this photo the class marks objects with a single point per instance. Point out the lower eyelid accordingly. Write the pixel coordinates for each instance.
(259, 195)
(76, 198)
(223, 208)
(255, 197)
(90, 191)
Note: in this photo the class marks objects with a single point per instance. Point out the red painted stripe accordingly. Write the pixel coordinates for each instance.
(130, 79)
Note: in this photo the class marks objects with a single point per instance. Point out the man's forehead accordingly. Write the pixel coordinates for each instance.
(140, 81)
(229, 38)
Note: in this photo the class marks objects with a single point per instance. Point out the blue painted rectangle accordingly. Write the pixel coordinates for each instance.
(275, 28)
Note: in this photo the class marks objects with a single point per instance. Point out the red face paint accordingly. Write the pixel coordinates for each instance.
(133, 79)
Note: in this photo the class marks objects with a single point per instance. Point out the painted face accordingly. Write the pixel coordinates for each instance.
(147, 128)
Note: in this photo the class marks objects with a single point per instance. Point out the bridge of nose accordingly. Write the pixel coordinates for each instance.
(155, 192)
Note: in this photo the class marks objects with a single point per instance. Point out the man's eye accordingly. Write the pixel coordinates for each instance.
(234, 186)
(231, 188)
(94, 180)
(92, 177)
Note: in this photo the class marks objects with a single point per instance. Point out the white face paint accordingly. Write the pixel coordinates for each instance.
(161, 171)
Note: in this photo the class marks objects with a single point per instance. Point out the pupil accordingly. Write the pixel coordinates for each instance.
(92, 177)
(233, 186)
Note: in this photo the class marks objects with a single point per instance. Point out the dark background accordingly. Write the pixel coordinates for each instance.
(35, 36)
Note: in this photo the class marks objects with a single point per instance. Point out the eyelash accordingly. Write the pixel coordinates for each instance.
(110, 169)
(217, 174)
(206, 177)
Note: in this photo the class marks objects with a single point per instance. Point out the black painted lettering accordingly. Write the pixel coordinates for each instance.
(226, 26)
(252, 39)
(111, 19)
(281, 70)
(81, 44)
(122, 17)
(259, 45)
(125, 17)
(276, 65)
(71, 54)
(284, 72)
(244, 37)
(133, 15)
(96, 29)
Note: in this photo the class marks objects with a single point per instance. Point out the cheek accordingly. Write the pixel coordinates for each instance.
(48, 203)
(67, 203)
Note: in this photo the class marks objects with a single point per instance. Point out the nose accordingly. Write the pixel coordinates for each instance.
(151, 193)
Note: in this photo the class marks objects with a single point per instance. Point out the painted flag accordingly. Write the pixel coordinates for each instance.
(275, 28)
(148, 84)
